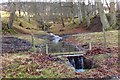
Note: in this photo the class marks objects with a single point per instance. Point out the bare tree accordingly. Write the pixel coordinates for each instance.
(104, 20)
(44, 16)
(112, 14)
(72, 12)
(12, 15)
(19, 8)
(107, 5)
(88, 8)
(103, 17)
(96, 8)
(80, 12)
(93, 9)
(118, 6)
(83, 9)
(61, 14)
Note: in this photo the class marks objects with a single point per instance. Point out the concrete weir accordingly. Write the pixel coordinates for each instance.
(72, 55)
(78, 62)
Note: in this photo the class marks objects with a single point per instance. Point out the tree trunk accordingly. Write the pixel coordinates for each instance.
(118, 5)
(44, 16)
(0, 24)
(19, 10)
(79, 13)
(88, 14)
(61, 14)
(36, 11)
(112, 14)
(72, 12)
(28, 17)
(104, 20)
(12, 15)
(96, 8)
(83, 10)
(53, 18)
(93, 10)
(103, 17)
(107, 5)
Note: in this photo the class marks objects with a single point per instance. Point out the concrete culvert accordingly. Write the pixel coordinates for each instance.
(80, 62)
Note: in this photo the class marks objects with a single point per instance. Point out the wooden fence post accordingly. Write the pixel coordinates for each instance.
(33, 43)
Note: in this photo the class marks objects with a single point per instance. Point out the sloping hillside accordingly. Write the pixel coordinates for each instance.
(20, 26)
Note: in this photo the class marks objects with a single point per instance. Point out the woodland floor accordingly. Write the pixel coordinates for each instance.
(32, 65)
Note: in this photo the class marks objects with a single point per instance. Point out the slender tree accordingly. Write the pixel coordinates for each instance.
(72, 12)
(44, 16)
(12, 15)
(19, 8)
(61, 14)
(107, 5)
(80, 12)
(118, 5)
(93, 8)
(103, 17)
(112, 14)
(104, 20)
(88, 8)
(83, 9)
(96, 8)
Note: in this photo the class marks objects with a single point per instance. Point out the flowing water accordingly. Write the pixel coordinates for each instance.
(57, 45)
(56, 38)
(77, 62)
(81, 64)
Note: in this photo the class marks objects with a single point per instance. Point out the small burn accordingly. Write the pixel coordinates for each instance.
(80, 62)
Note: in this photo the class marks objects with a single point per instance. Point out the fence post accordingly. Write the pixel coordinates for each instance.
(46, 48)
(90, 46)
(33, 43)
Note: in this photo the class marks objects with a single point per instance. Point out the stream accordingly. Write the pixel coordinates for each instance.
(77, 62)
(56, 38)
(56, 44)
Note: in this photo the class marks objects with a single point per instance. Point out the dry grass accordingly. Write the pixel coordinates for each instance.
(97, 37)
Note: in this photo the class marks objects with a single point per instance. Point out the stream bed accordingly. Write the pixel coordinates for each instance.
(57, 44)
